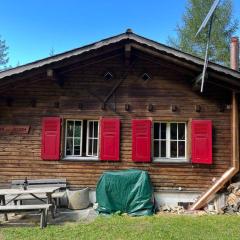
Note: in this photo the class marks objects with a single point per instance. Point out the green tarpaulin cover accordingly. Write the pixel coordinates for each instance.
(128, 191)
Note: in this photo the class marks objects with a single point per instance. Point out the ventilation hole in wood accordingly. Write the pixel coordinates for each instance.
(33, 102)
(174, 108)
(127, 107)
(150, 107)
(145, 77)
(198, 108)
(108, 76)
(56, 104)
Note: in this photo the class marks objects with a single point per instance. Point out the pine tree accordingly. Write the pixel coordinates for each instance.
(3, 54)
(223, 28)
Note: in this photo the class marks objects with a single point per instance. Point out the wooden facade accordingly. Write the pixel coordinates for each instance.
(29, 97)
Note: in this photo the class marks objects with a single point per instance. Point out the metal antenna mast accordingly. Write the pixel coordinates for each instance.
(208, 19)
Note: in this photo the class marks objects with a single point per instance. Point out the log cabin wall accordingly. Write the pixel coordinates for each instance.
(169, 85)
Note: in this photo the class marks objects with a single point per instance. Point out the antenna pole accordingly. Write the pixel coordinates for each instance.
(206, 53)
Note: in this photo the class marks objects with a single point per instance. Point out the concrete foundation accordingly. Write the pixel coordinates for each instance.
(170, 198)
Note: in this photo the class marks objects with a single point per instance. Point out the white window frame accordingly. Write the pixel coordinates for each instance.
(168, 157)
(92, 138)
(66, 137)
(80, 157)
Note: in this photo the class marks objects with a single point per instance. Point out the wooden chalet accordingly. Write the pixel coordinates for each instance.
(123, 102)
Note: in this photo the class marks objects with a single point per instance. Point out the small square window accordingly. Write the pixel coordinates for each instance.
(145, 77)
(108, 76)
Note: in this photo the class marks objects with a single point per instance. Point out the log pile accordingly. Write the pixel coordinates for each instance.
(170, 209)
(232, 199)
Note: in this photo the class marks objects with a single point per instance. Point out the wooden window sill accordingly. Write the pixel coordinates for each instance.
(81, 159)
(171, 161)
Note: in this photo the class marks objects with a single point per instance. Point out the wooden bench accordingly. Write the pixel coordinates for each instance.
(38, 183)
(43, 208)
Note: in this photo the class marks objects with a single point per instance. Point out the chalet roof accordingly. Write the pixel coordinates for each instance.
(128, 35)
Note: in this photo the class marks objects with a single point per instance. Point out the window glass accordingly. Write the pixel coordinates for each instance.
(77, 141)
(169, 140)
(96, 129)
(156, 130)
(90, 146)
(181, 149)
(156, 148)
(90, 131)
(95, 147)
(69, 146)
(81, 138)
(181, 131)
(163, 130)
(163, 149)
(173, 149)
(77, 130)
(77, 150)
(173, 130)
(70, 128)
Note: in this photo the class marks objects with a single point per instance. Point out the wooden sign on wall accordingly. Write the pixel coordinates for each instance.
(14, 129)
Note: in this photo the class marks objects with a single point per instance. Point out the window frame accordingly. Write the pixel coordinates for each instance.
(168, 158)
(93, 138)
(75, 157)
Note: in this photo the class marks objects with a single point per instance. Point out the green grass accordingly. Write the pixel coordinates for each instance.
(123, 227)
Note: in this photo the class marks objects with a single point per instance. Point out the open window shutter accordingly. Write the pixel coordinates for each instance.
(51, 138)
(141, 140)
(110, 139)
(202, 141)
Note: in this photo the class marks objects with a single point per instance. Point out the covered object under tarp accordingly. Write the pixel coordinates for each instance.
(128, 191)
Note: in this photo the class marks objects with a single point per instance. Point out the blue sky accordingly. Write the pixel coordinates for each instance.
(33, 28)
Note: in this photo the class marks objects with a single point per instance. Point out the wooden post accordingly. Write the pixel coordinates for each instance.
(3, 202)
(43, 219)
(50, 201)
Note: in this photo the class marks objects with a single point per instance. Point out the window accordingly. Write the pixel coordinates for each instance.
(169, 141)
(81, 139)
(92, 138)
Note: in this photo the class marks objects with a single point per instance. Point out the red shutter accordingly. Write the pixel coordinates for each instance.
(110, 139)
(202, 141)
(51, 138)
(141, 140)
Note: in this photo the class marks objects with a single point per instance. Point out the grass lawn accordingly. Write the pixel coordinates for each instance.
(123, 227)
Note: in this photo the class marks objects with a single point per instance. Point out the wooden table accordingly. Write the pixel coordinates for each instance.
(16, 193)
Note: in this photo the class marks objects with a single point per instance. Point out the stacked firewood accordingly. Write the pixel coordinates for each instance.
(232, 198)
(170, 209)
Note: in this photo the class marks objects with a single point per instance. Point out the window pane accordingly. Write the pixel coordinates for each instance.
(77, 141)
(95, 142)
(173, 130)
(156, 130)
(163, 130)
(76, 150)
(78, 129)
(90, 145)
(173, 149)
(156, 148)
(181, 131)
(181, 149)
(163, 148)
(90, 129)
(95, 129)
(69, 128)
(69, 146)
